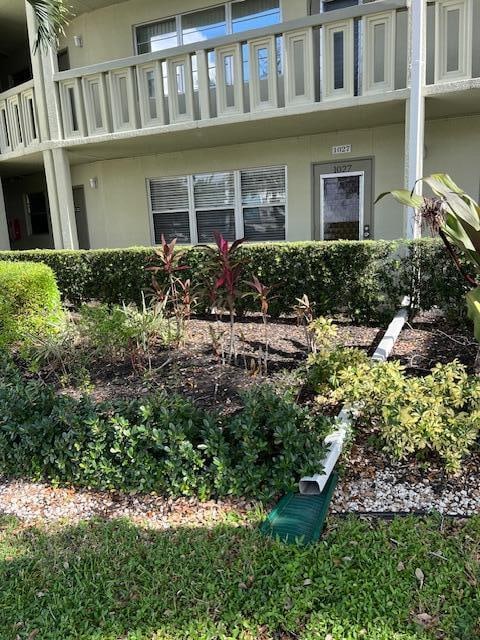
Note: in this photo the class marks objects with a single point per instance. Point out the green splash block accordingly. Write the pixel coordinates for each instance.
(300, 519)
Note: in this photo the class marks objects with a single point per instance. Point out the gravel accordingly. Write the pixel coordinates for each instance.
(380, 490)
(388, 491)
(36, 502)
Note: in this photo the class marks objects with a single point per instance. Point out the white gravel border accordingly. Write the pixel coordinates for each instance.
(388, 491)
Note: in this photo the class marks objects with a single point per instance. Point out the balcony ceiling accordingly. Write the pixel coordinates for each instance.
(13, 25)
(82, 6)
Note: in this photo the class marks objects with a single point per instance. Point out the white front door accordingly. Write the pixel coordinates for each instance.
(342, 206)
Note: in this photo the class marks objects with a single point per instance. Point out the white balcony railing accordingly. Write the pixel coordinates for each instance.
(323, 58)
(18, 118)
(328, 58)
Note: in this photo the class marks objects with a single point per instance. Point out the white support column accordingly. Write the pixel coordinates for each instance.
(66, 208)
(4, 238)
(415, 110)
(44, 64)
(55, 219)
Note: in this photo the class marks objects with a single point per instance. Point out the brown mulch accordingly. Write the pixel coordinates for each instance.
(426, 341)
(194, 371)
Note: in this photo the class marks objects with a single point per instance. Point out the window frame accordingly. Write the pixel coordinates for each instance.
(178, 21)
(238, 205)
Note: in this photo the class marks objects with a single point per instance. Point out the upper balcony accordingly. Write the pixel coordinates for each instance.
(18, 119)
(313, 63)
(350, 65)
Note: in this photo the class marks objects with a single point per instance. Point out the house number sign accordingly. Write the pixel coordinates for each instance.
(343, 148)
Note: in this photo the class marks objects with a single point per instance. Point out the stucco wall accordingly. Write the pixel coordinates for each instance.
(118, 212)
(108, 32)
(452, 146)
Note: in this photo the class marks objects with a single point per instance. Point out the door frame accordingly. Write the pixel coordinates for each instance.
(81, 187)
(362, 163)
(361, 199)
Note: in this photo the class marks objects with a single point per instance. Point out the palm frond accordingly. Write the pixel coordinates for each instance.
(51, 16)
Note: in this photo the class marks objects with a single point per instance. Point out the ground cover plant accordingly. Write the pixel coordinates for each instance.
(409, 579)
(162, 443)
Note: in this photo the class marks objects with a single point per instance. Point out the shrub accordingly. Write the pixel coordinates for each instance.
(362, 279)
(273, 442)
(29, 301)
(163, 444)
(439, 413)
(328, 369)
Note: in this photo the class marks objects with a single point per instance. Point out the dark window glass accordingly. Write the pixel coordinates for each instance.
(37, 209)
(264, 223)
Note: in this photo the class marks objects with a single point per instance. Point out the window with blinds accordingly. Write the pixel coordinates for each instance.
(263, 203)
(250, 203)
(214, 201)
(169, 201)
(157, 36)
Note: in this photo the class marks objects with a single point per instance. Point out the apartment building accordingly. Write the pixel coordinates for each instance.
(264, 119)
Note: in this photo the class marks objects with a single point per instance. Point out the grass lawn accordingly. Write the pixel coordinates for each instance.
(408, 579)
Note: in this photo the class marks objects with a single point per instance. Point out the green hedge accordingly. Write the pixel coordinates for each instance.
(363, 279)
(29, 301)
(163, 444)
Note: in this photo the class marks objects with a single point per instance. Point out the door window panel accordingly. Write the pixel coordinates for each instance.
(341, 203)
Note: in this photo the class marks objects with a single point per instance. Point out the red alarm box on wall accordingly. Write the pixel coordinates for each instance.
(14, 230)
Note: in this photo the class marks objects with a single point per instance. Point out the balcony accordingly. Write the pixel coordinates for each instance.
(341, 58)
(18, 119)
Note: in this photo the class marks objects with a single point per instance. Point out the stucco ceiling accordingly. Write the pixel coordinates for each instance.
(13, 26)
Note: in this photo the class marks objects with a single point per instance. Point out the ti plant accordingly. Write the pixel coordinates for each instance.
(262, 293)
(455, 217)
(177, 292)
(223, 270)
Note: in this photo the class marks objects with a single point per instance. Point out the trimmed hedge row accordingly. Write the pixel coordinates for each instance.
(362, 279)
(163, 443)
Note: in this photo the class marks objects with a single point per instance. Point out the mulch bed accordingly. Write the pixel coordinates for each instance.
(371, 481)
(194, 371)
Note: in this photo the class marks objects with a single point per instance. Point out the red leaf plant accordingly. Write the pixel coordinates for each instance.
(223, 274)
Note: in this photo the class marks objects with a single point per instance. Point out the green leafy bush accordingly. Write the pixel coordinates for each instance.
(273, 440)
(439, 413)
(29, 301)
(163, 444)
(327, 370)
(113, 332)
(362, 279)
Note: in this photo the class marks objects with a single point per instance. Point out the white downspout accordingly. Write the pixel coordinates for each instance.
(314, 485)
